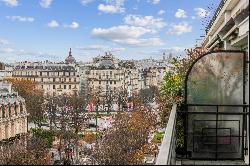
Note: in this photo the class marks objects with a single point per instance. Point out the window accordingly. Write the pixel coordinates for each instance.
(65, 87)
(114, 82)
(69, 86)
(100, 82)
(47, 73)
(69, 79)
(41, 73)
(75, 79)
(3, 112)
(54, 80)
(54, 87)
(111, 82)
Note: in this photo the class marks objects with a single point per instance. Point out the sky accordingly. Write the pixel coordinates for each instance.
(35, 30)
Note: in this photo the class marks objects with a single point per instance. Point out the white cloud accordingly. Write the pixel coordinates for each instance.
(99, 48)
(180, 13)
(20, 18)
(110, 9)
(181, 28)
(120, 32)
(126, 35)
(92, 47)
(134, 42)
(112, 6)
(169, 52)
(15, 54)
(201, 13)
(53, 24)
(161, 12)
(7, 50)
(73, 25)
(45, 3)
(3, 41)
(154, 1)
(147, 21)
(86, 2)
(11, 3)
(119, 49)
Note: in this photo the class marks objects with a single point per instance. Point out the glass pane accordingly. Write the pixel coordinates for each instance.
(217, 78)
(200, 140)
(229, 136)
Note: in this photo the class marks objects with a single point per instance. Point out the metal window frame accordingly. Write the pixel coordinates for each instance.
(185, 113)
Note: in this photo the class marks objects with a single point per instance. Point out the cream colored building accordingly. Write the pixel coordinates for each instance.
(13, 115)
(5, 70)
(229, 27)
(107, 74)
(53, 78)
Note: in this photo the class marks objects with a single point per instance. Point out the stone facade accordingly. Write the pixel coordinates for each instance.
(13, 115)
(53, 78)
(5, 70)
(106, 73)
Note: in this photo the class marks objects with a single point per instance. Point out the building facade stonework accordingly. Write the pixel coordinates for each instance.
(107, 74)
(13, 114)
(52, 78)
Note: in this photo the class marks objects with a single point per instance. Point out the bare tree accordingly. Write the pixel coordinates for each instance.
(126, 142)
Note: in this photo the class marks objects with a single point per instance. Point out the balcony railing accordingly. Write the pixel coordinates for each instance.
(167, 155)
(216, 13)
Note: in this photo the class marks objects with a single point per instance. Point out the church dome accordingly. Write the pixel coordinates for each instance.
(70, 59)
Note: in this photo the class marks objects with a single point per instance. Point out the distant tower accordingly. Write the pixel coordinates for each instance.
(70, 59)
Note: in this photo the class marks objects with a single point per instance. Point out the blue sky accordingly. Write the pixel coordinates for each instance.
(130, 29)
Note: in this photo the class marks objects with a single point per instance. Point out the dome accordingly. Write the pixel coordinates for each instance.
(70, 59)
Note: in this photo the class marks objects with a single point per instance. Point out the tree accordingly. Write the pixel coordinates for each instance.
(172, 90)
(126, 142)
(29, 150)
(147, 95)
(33, 96)
(67, 115)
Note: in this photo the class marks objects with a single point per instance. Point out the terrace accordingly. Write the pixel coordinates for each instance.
(214, 115)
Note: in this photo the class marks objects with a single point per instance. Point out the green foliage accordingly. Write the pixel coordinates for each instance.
(180, 133)
(172, 90)
(172, 85)
(158, 136)
(47, 135)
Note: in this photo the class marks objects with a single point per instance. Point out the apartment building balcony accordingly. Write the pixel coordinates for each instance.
(229, 27)
(213, 120)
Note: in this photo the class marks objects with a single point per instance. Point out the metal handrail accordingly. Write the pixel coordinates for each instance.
(167, 153)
